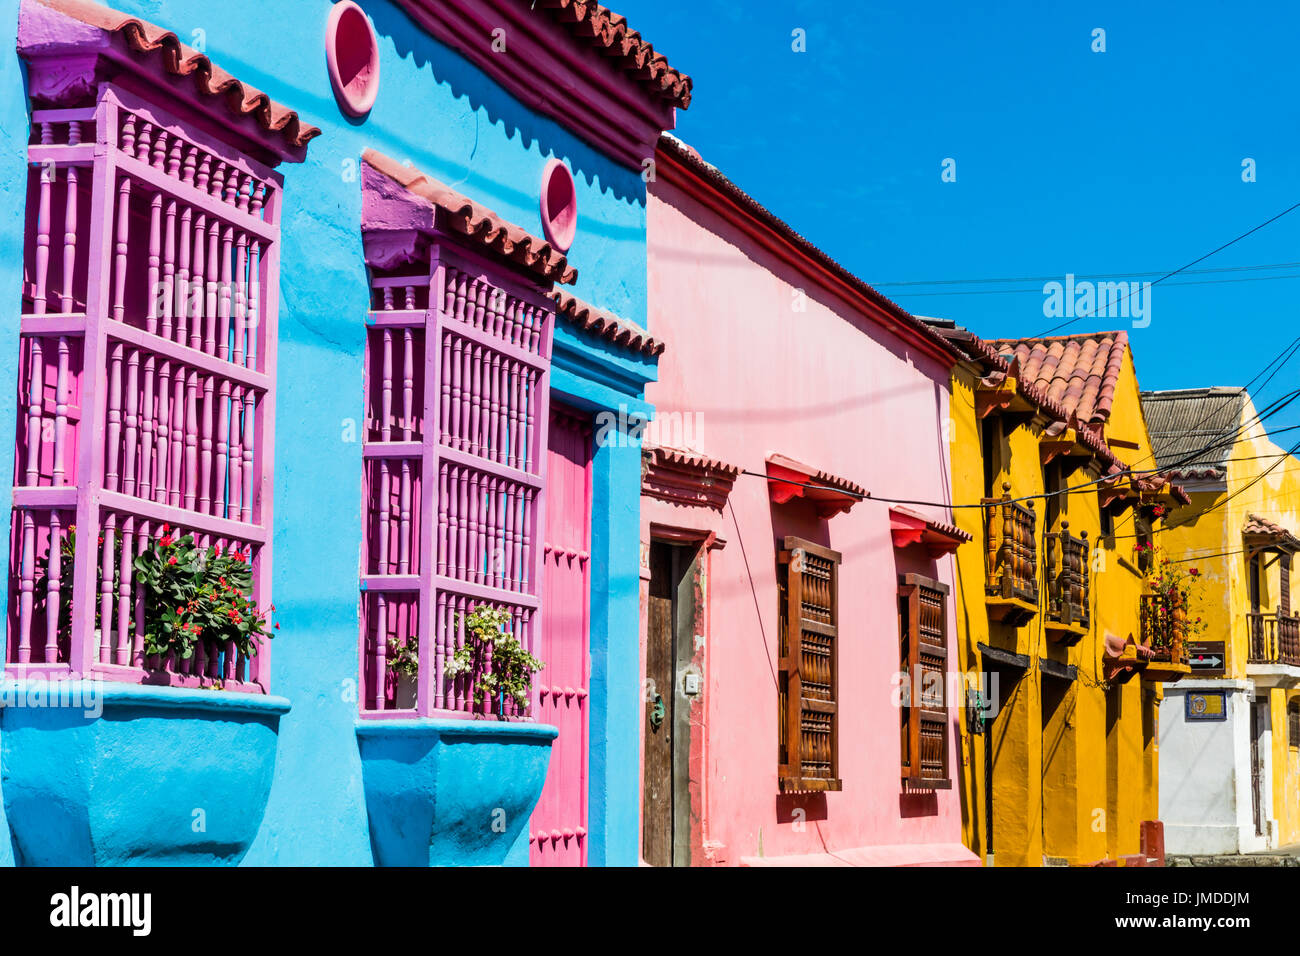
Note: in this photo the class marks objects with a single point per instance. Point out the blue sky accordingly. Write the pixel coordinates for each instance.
(1067, 160)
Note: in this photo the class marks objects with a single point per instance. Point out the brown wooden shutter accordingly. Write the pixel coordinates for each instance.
(1293, 724)
(1284, 594)
(808, 746)
(923, 650)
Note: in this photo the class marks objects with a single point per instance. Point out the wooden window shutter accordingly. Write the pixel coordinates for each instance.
(923, 654)
(1293, 724)
(808, 588)
(1284, 594)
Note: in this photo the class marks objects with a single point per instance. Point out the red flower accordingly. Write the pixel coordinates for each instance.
(165, 541)
(172, 559)
(1193, 572)
(166, 527)
(277, 625)
(180, 610)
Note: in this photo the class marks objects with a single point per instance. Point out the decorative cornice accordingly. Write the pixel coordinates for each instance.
(571, 61)
(400, 203)
(830, 494)
(72, 44)
(606, 325)
(683, 478)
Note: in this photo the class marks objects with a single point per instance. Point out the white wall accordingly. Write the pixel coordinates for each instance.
(1205, 799)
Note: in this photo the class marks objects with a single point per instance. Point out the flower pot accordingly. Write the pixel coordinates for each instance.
(405, 695)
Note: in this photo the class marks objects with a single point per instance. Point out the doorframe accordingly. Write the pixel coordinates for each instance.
(689, 619)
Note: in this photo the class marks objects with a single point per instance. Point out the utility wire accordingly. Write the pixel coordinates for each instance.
(1184, 268)
(1089, 276)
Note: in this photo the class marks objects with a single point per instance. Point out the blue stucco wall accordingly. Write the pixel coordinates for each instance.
(452, 121)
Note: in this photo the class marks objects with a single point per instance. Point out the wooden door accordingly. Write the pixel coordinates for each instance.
(657, 787)
(1256, 729)
(559, 823)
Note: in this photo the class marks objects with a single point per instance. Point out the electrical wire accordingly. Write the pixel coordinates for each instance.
(1184, 268)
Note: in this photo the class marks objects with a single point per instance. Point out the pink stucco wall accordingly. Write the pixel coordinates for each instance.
(833, 390)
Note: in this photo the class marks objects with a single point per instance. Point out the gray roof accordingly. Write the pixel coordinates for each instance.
(1183, 421)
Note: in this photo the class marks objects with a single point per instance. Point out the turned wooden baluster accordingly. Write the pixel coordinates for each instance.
(106, 589)
(213, 286)
(48, 173)
(223, 448)
(53, 589)
(131, 421)
(124, 587)
(206, 503)
(62, 391)
(191, 439)
(224, 306)
(235, 484)
(250, 431)
(160, 472)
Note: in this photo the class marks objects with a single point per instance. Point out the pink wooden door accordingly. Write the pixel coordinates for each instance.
(559, 825)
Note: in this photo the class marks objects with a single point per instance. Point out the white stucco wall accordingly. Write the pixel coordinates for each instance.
(1205, 791)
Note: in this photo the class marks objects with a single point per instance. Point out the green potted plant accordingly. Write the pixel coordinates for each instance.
(404, 665)
(499, 664)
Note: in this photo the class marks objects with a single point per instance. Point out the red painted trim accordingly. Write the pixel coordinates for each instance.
(706, 194)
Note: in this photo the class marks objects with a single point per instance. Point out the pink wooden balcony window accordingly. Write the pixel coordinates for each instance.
(457, 390)
(149, 314)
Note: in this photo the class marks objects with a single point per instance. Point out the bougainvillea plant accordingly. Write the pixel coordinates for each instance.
(1175, 588)
(501, 666)
(192, 595)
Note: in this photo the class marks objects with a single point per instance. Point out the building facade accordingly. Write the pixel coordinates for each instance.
(1060, 755)
(784, 607)
(1230, 738)
(340, 297)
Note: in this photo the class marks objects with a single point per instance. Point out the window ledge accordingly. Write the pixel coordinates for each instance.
(809, 784)
(101, 774)
(474, 769)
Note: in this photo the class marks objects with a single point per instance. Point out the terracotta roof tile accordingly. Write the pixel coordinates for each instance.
(608, 326)
(165, 50)
(1257, 525)
(476, 222)
(1079, 372)
(692, 461)
(608, 33)
(821, 479)
(998, 361)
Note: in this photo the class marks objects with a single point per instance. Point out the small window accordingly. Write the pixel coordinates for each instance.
(808, 704)
(923, 654)
(1293, 724)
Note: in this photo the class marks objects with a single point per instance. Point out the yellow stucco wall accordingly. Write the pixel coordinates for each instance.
(1211, 541)
(1075, 764)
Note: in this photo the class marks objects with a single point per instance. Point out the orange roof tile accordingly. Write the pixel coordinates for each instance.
(1079, 372)
(1259, 526)
(165, 50)
(476, 222)
(607, 325)
(608, 33)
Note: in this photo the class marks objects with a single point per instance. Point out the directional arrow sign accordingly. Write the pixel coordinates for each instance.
(1206, 658)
